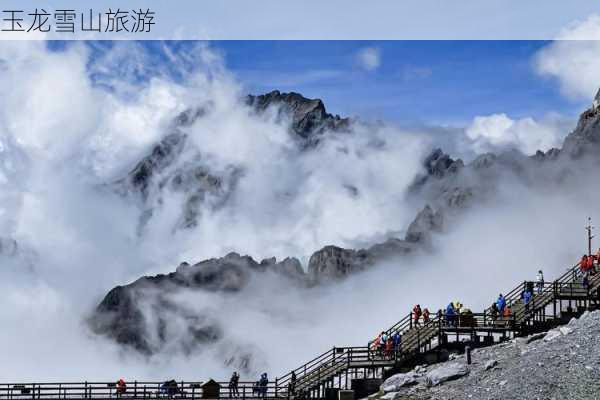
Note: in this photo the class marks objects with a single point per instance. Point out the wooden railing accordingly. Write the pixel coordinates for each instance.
(335, 361)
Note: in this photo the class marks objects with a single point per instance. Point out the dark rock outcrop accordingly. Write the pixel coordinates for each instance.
(426, 222)
(138, 315)
(586, 136)
(332, 262)
(308, 117)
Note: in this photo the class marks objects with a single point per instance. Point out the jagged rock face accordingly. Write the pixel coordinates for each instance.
(426, 222)
(174, 165)
(586, 136)
(439, 164)
(309, 117)
(332, 262)
(140, 315)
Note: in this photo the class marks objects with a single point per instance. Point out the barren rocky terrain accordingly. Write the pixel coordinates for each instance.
(563, 363)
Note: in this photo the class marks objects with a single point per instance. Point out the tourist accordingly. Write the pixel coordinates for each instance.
(425, 316)
(501, 304)
(526, 299)
(389, 347)
(397, 339)
(494, 312)
(540, 282)
(450, 314)
(292, 385)
(121, 387)
(233, 385)
(417, 314)
(263, 383)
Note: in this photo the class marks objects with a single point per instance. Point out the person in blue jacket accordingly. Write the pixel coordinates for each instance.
(450, 314)
(526, 299)
(397, 338)
(501, 303)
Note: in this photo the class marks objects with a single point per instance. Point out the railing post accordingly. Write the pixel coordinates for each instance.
(349, 355)
(418, 340)
(276, 386)
(135, 389)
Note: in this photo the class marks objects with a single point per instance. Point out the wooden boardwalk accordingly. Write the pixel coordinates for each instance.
(554, 304)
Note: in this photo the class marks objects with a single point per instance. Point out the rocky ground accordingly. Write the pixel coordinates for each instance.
(563, 363)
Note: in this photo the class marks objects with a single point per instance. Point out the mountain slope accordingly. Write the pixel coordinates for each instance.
(135, 315)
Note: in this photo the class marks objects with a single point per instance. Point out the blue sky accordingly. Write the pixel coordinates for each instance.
(413, 83)
(446, 82)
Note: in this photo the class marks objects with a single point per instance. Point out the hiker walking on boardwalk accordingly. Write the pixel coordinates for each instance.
(540, 281)
(389, 347)
(382, 341)
(501, 303)
(425, 316)
(417, 314)
(397, 339)
(292, 385)
(526, 299)
(494, 312)
(378, 345)
(584, 264)
(121, 387)
(457, 307)
(507, 314)
(233, 385)
(450, 314)
(263, 383)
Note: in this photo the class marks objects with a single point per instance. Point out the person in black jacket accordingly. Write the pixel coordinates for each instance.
(233, 385)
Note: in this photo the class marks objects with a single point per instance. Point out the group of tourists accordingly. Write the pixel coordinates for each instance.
(417, 314)
(452, 313)
(587, 267)
(386, 345)
(260, 386)
(500, 309)
(168, 388)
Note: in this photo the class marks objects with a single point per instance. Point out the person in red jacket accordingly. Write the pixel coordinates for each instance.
(583, 264)
(389, 347)
(121, 387)
(417, 314)
(425, 315)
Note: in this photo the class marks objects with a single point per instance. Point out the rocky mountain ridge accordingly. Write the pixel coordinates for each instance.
(447, 187)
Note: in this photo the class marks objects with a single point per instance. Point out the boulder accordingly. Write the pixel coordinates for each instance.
(395, 382)
(490, 364)
(552, 334)
(446, 373)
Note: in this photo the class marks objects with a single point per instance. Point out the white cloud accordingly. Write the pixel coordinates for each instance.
(574, 59)
(497, 131)
(369, 58)
(60, 131)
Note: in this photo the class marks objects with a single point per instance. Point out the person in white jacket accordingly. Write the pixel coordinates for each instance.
(540, 281)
